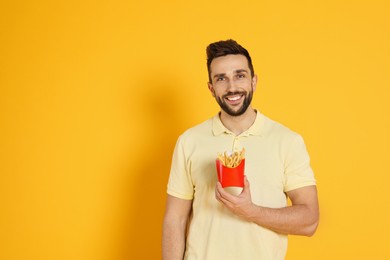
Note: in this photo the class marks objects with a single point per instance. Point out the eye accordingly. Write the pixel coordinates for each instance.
(240, 76)
(220, 78)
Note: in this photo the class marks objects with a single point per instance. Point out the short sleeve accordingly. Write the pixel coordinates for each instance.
(298, 172)
(180, 183)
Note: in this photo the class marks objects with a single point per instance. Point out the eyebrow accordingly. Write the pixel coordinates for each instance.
(236, 72)
(240, 71)
(219, 75)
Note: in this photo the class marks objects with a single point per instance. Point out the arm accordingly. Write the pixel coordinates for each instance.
(174, 227)
(301, 218)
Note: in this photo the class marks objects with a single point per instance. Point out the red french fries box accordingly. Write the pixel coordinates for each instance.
(231, 177)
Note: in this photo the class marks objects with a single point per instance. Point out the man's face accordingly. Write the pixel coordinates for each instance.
(232, 84)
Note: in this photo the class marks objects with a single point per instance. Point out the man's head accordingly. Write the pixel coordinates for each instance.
(231, 76)
(223, 48)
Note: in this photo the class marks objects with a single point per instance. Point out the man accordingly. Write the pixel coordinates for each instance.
(202, 219)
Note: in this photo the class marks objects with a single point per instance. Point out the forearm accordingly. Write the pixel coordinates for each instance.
(299, 219)
(173, 241)
(293, 220)
(175, 227)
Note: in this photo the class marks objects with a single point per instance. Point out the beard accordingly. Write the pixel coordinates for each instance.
(225, 107)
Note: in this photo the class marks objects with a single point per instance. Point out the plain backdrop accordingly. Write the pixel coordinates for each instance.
(93, 95)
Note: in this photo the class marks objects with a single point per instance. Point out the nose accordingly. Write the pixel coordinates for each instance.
(231, 86)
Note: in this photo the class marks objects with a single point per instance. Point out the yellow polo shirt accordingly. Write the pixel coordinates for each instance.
(276, 161)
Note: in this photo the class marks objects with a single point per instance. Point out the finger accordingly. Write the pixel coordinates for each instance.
(227, 196)
(246, 188)
(224, 201)
(218, 188)
(218, 191)
(218, 196)
(246, 182)
(223, 196)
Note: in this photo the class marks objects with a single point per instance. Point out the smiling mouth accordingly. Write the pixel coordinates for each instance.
(235, 97)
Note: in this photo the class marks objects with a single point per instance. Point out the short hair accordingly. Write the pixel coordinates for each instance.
(223, 48)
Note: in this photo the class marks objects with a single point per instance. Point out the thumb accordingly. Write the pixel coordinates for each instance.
(246, 185)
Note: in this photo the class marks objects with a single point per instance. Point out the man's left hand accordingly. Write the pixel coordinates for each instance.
(241, 205)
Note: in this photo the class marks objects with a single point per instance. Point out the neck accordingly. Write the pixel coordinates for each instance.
(239, 124)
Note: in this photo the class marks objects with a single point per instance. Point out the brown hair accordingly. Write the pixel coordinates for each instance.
(223, 48)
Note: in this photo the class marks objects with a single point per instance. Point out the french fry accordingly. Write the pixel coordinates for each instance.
(232, 160)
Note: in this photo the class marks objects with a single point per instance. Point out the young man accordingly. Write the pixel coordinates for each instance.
(203, 220)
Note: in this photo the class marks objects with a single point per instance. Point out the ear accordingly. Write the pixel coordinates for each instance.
(210, 86)
(254, 82)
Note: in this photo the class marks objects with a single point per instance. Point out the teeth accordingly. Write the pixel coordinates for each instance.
(234, 98)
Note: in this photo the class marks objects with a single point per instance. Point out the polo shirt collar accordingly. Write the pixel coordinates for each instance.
(255, 129)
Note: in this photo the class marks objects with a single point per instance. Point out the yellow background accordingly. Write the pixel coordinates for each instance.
(95, 93)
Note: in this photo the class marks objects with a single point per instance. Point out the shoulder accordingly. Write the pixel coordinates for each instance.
(290, 143)
(203, 129)
(280, 135)
(273, 129)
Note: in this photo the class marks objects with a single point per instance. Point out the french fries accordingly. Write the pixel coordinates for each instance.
(231, 159)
